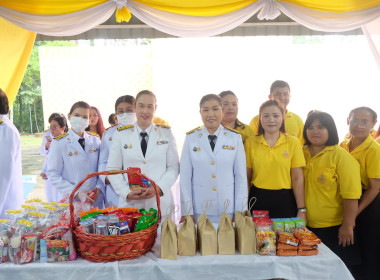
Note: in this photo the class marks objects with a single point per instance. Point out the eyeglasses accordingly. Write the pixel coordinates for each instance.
(363, 123)
(54, 127)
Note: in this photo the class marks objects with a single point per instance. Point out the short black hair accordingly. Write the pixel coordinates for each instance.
(278, 84)
(327, 121)
(4, 103)
(61, 120)
(111, 118)
(227, 92)
(53, 115)
(125, 98)
(210, 97)
(146, 92)
(369, 110)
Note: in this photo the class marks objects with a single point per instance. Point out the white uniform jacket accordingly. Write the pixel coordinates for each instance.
(45, 135)
(111, 198)
(68, 163)
(11, 185)
(160, 163)
(213, 175)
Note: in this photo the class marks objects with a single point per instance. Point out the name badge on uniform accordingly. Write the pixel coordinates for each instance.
(127, 147)
(228, 147)
(93, 150)
(196, 149)
(162, 142)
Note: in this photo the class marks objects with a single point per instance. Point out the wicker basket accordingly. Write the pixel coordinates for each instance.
(109, 248)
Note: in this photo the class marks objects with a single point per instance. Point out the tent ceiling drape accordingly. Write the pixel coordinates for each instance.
(184, 18)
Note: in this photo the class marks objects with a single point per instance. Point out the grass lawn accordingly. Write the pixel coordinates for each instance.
(28, 141)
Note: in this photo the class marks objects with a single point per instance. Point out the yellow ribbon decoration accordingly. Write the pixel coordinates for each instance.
(123, 14)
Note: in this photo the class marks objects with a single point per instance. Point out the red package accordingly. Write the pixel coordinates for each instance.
(307, 252)
(305, 247)
(134, 180)
(287, 238)
(286, 253)
(281, 246)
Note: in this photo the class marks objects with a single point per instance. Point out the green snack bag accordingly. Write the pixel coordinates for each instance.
(300, 223)
(289, 226)
(153, 212)
(278, 225)
(143, 222)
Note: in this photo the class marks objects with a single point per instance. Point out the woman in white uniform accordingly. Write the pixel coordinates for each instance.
(11, 187)
(150, 147)
(213, 164)
(73, 156)
(125, 113)
(58, 126)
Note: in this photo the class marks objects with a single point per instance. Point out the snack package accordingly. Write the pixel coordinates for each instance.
(287, 238)
(278, 225)
(307, 252)
(57, 250)
(134, 181)
(281, 246)
(281, 252)
(306, 237)
(265, 238)
(28, 248)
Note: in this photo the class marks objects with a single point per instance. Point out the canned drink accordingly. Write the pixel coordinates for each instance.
(145, 183)
(113, 228)
(101, 228)
(87, 226)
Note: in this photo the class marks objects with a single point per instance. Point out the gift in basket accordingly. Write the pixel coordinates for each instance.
(108, 248)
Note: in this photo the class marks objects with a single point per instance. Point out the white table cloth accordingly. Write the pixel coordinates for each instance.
(326, 265)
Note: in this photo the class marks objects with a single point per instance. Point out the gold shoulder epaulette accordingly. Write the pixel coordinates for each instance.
(163, 125)
(231, 129)
(193, 130)
(46, 130)
(61, 136)
(125, 127)
(1, 121)
(93, 133)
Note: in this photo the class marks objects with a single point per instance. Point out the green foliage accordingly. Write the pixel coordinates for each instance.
(27, 107)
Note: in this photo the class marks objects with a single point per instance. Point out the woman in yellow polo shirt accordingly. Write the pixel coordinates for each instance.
(274, 165)
(332, 187)
(366, 151)
(230, 109)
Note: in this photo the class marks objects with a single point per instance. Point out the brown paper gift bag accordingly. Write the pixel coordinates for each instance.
(187, 237)
(245, 231)
(208, 244)
(226, 233)
(169, 242)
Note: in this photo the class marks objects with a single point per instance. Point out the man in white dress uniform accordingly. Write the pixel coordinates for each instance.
(150, 147)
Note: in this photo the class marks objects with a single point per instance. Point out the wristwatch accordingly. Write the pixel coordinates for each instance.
(302, 210)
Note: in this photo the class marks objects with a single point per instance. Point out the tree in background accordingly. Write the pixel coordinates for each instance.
(28, 114)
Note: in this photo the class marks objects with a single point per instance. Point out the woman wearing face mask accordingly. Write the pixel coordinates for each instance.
(96, 122)
(366, 151)
(332, 188)
(58, 126)
(230, 107)
(125, 113)
(213, 164)
(73, 156)
(274, 165)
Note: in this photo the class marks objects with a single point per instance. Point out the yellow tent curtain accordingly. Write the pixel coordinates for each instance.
(15, 48)
(183, 7)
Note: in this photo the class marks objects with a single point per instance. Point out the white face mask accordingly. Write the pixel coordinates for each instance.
(79, 124)
(126, 118)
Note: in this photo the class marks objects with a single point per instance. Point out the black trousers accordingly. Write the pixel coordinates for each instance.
(280, 203)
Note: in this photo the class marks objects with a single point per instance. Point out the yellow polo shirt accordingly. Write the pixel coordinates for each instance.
(244, 130)
(293, 125)
(271, 165)
(368, 156)
(330, 176)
